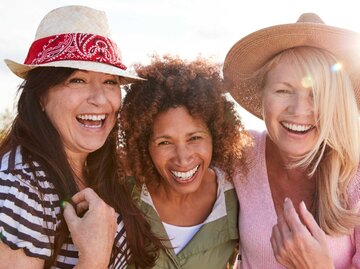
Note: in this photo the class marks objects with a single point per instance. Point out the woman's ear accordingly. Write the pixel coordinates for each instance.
(42, 103)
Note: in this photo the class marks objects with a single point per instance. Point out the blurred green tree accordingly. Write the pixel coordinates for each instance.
(6, 118)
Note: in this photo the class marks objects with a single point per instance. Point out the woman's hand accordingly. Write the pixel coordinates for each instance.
(299, 244)
(93, 234)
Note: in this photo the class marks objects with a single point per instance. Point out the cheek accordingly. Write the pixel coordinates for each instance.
(267, 112)
(156, 157)
(206, 151)
(56, 113)
(115, 99)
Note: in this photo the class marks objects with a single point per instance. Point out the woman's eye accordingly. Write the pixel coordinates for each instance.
(76, 80)
(194, 138)
(162, 143)
(283, 91)
(111, 82)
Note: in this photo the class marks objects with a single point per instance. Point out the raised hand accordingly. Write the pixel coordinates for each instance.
(93, 234)
(299, 244)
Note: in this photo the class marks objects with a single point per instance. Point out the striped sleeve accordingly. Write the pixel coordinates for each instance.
(25, 219)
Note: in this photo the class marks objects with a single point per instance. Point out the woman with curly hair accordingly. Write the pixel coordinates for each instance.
(181, 139)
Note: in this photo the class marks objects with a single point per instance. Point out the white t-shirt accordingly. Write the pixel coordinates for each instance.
(180, 236)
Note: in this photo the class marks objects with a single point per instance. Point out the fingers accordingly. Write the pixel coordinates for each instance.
(82, 207)
(87, 200)
(69, 215)
(275, 241)
(292, 218)
(311, 223)
(281, 234)
(86, 194)
(294, 241)
(283, 227)
(94, 231)
(280, 244)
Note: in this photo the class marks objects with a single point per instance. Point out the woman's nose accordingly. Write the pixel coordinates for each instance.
(301, 105)
(183, 155)
(97, 94)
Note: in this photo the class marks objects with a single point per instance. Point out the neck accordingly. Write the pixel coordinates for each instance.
(77, 164)
(282, 164)
(285, 180)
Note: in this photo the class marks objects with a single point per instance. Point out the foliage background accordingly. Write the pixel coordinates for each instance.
(6, 118)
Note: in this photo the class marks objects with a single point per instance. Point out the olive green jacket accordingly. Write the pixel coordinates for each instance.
(213, 245)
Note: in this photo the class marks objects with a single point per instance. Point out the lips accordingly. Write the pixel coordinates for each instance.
(185, 176)
(297, 128)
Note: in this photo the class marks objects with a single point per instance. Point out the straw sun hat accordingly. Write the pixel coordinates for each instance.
(253, 51)
(76, 37)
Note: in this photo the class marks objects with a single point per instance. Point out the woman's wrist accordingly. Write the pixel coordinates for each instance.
(91, 263)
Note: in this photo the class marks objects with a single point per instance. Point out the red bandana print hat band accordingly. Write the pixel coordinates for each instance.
(76, 37)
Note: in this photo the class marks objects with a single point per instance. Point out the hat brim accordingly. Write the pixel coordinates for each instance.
(254, 50)
(21, 70)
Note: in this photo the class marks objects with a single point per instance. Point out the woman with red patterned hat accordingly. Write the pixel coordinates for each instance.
(62, 204)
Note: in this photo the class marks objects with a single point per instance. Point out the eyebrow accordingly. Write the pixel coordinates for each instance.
(80, 70)
(86, 72)
(168, 136)
(284, 83)
(161, 137)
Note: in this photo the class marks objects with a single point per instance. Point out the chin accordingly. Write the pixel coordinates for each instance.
(93, 147)
(296, 153)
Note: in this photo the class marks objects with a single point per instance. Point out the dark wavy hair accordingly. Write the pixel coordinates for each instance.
(172, 82)
(40, 141)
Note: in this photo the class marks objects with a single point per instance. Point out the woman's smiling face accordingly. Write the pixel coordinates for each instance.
(83, 110)
(288, 109)
(181, 150)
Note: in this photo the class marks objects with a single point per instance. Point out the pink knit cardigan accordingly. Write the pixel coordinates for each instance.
(257, 216)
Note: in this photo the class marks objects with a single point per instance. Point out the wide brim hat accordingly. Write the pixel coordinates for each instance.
(76, 37)
(250, 53)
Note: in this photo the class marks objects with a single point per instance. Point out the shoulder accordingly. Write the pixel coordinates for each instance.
(226, 193)
(11, 160)
(256, 134)
(255, 157)
(259, 138)
(24, 176)
(29, 207)
(14, 163)
(223, 184)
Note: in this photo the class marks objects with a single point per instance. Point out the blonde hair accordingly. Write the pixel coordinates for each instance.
(335, 157)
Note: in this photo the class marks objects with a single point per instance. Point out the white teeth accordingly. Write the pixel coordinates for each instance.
(185, 175)
(93, 126)
(91, 117)
(297, 127)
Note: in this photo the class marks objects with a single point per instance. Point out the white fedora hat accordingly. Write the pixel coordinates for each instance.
(75, 37)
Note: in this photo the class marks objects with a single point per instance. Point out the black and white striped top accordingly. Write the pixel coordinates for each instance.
(30, 213)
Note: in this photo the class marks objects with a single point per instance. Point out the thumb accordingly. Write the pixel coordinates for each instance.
(311, 224)
(70, 215)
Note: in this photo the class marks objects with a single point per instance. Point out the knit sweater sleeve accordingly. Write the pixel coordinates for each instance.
(354, 196)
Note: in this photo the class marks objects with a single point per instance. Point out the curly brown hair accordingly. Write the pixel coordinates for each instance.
(172, 82)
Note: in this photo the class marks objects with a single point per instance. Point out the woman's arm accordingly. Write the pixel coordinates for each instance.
(17, 259)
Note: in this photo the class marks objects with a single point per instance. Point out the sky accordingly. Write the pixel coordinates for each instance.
(188, 28)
